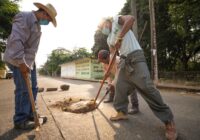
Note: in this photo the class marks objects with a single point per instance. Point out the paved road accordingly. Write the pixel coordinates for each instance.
(96, 125)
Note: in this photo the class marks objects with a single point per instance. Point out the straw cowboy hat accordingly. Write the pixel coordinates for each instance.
(49, 9)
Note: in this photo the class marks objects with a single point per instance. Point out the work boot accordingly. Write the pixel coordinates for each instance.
(26, 125)
(170, 131)
(133, 110)
(119, 116)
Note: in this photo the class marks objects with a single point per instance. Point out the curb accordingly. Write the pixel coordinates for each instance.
(192, 89)
(183, 88)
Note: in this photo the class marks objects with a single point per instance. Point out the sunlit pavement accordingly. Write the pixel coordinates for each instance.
(96, 124)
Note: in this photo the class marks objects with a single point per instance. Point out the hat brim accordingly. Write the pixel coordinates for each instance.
(39, 5)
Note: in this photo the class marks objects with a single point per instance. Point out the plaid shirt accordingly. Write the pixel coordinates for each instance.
(22, 44)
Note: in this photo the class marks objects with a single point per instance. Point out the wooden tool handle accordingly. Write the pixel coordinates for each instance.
(28, 84)
(105, 76)
(102, 98)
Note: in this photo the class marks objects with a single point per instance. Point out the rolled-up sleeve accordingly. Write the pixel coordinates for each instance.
(19, 35)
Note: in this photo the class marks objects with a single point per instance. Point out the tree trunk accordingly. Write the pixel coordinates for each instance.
(154, 63)
(134, 13)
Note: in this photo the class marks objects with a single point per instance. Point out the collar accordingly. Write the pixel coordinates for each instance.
(34, 17)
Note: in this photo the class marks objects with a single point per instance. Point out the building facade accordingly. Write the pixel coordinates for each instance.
(85, 68)
(68, 70)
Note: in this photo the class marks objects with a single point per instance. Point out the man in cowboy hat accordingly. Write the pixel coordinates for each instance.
(21, 49)
(104, 57)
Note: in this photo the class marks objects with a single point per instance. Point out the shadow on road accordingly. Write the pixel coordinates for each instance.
(95, 126)
(13, 134)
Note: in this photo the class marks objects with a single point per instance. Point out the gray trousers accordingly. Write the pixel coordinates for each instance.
(133, 72)
(134, 99)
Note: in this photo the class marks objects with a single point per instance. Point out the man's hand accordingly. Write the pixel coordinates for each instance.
(24, 69)
(107, 74)
(118, 43)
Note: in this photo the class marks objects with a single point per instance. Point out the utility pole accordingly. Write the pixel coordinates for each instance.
(154, 61)
(134, 13)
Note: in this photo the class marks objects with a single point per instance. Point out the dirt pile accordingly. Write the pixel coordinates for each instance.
(75, 105)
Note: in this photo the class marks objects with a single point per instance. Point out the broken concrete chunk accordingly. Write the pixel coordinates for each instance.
(64, 87)
(52, 89)
(40, 89)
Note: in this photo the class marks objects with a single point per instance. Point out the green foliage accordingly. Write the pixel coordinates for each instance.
(60, 56)
(2, 65)
(80, 53)
(8, 9)
(185, 22)
(126, 9)
(177, 30)
(143, 17)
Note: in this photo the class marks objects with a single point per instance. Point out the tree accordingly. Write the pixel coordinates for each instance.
(60, 56)
(177, 29)
(7, 11)
(57, 57)
(80, 53)
(142, 19)
(154, 61)
(186, 25)
(165, 37)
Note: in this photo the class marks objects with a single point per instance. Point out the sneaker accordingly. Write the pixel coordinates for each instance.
(119, 116)
(171, 133)
(26, 125)
(133, 111)
(42, 119)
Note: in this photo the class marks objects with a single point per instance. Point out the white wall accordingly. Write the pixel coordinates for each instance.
(68, 70)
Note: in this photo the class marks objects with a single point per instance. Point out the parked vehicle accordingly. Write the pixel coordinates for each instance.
(2, 73)
(6, 73)
(9, 74)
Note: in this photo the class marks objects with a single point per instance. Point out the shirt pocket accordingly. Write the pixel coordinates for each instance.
(34, 36)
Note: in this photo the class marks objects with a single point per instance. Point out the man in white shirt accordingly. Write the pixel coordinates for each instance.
(133, 72)
(104, 57)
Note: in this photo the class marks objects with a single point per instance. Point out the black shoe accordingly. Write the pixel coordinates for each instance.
(42, 119)
(133, 111)
(26, 125)
(108, 100)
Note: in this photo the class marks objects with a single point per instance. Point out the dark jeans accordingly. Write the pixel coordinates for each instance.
(22, 102)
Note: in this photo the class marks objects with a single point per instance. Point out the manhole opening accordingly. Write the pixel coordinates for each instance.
(76, 105)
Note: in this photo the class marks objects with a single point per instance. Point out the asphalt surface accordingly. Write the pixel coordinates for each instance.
(96, 125)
